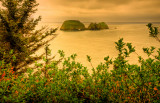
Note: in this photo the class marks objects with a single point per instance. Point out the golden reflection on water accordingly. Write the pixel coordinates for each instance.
(99, 44)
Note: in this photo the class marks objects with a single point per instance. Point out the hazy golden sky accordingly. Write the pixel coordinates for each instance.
(100, 10)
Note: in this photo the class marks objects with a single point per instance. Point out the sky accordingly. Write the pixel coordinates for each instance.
(99, 10)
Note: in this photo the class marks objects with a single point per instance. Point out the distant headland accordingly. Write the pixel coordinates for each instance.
(76, 25)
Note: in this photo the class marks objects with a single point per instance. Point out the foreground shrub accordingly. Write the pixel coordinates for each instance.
(71, 82)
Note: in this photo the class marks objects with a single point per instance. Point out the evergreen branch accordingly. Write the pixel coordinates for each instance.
(5, 23)
(12, 9)
(40, 45)
(30, 26)
(42, 37)
(30, 61)
(18, 30)
(28, 6)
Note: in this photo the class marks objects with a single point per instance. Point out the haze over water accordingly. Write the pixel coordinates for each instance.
(99, 44)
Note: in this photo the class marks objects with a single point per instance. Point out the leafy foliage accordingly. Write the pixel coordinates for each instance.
(66, 80)
(72, 82)
(153, 31)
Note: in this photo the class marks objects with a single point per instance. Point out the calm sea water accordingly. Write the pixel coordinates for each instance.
(99, 44)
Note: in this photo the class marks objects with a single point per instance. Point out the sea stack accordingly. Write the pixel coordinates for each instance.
(72, 25)
(99, 26)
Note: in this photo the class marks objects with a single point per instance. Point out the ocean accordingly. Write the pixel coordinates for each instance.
(99, 44)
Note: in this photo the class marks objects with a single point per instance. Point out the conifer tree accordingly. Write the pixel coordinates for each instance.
(17, 32)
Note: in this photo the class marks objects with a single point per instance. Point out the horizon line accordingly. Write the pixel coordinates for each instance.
(109, 22)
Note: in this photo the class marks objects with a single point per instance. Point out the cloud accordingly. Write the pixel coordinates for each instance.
(113, 10)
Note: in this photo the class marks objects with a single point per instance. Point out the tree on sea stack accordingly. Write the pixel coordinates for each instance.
(17, 32)
(72, 25)
(98, 26)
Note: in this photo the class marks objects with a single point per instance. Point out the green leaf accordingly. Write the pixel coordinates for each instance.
(11, 52)
(88, 58)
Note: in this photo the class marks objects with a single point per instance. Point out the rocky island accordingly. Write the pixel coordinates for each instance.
(99, 26)
(72, 25)
(76, 25)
